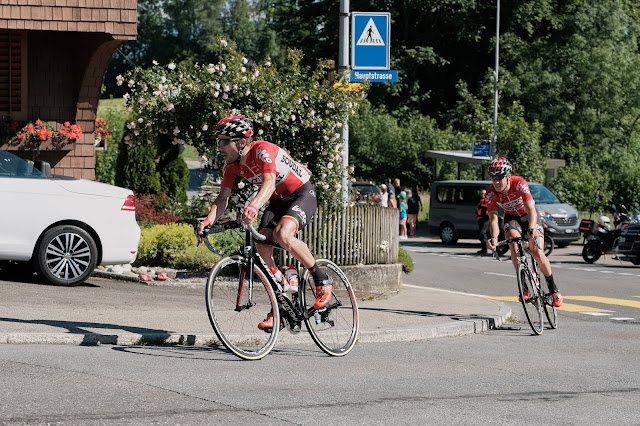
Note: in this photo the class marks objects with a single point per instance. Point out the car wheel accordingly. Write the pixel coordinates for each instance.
(635, 260)
(66, 255)
(448, 234)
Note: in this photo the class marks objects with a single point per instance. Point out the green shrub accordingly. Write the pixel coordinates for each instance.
(405, 259)
(174, 246)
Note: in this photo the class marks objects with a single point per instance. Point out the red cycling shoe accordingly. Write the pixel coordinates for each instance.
(323, 295)
(267, 323)
(557, 299)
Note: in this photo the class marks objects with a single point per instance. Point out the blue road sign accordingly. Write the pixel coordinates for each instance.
(374, 76)
(370, 36)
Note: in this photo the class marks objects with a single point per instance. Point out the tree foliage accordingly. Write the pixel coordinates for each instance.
(291, 106)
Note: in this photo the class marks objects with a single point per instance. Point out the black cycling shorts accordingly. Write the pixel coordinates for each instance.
(300, 206)
(519, 223)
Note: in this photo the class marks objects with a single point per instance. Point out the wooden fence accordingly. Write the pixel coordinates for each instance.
(354, 235)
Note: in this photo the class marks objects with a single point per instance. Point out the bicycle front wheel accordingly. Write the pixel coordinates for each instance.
(334, 328)
(236, 303)
(533, 303)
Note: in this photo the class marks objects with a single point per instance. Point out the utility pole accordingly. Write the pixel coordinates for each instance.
(343, 70)
(494, 138)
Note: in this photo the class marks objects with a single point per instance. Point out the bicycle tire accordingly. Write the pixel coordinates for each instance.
(549, 310)
(533, 305)
(238, 329)
(549, 245)
(334, 328)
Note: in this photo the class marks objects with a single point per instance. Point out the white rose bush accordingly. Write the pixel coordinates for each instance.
(293, 107)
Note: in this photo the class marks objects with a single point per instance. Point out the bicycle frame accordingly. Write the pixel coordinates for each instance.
(251, 260)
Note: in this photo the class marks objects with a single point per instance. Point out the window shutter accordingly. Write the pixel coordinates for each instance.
(13, 74)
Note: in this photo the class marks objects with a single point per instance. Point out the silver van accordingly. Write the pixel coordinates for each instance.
(453, 211)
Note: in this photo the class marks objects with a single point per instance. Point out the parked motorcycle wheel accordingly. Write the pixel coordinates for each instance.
(591, 252)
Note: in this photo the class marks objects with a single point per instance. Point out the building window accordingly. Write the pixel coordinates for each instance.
(13, 74)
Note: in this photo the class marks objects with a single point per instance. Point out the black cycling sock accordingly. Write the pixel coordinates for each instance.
(318, 274)
(553, 288)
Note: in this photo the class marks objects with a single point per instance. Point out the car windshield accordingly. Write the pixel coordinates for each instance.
(541, 195)
(12, 166)
(364, 189)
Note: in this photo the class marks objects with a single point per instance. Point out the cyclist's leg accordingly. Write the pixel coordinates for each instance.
(512, 229)
(545, 265)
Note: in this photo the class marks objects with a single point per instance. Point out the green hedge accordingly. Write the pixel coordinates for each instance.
(174, 246)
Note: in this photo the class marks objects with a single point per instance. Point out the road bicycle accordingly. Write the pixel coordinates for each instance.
(528, 275)
(241, 291)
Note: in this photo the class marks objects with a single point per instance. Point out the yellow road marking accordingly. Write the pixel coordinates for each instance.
(606, 300)
(569, 307)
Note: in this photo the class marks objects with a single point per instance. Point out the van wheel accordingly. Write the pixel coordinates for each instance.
(448, 234)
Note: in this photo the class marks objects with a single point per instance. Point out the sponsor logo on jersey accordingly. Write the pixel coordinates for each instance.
(263, 155)
(295, 167)
(523, 187)
(512, 205)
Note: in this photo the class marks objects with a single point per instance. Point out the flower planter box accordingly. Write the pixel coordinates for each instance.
(47, 145)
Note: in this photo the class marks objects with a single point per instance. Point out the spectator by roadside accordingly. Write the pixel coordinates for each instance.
(483, 222)
(402, 206)
(384, 196)
(413, 208)
(392, 202)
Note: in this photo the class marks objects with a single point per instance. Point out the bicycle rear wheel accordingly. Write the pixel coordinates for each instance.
(334, 328)
(547, 302)
(237, 327)
(533, 304)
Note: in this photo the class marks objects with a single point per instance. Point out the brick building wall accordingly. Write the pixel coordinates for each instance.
(69, 46)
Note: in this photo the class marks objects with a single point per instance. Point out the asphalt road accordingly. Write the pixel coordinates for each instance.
(607, 290)
(586, 371)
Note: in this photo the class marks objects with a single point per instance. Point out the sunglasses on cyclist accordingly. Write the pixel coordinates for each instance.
(497, 177)
(225, 142)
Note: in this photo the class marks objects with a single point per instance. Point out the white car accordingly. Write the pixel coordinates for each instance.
(63, 226)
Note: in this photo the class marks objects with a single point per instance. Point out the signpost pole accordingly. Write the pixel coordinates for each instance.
(494, 138)
(343, 72)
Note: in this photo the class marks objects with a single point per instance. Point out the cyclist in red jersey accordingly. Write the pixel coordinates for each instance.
(512, 194)
(283, 182)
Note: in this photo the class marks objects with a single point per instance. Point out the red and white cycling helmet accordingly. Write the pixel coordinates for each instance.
(500, 167)
(235, 126)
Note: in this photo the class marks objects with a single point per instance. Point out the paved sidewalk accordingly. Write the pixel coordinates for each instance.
(119, 312)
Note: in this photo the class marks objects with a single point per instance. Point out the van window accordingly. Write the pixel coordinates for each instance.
(462, 195)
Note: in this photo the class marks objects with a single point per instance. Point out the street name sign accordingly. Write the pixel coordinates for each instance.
(370, 37)
(374, 76)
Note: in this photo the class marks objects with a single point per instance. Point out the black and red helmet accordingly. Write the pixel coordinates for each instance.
(235, 126)
(500, 167)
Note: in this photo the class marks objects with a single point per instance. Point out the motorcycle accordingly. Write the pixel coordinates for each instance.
(600, 238)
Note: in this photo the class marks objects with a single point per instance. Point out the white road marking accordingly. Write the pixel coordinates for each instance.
(597, 314)
(623, 319)
(500, 275)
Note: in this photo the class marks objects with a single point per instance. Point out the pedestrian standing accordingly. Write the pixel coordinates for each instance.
(483, 222)
(402, 206)
(412, 213)
(384, 196)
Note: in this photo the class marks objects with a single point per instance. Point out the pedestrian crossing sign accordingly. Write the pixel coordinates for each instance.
(370, 36)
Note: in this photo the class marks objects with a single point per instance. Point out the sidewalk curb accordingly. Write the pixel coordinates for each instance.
(463, 328)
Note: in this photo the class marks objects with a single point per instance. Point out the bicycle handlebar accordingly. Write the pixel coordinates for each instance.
(225, 226)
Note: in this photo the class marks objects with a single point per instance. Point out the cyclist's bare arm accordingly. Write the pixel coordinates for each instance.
(260, 199)
(532, 213)
(218, 207)
(493, 229)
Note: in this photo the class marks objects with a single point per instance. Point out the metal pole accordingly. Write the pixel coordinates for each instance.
(494, 139)
(343, 70)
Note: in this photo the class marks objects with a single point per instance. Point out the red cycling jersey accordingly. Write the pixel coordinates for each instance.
(265, 157)
(513, 201)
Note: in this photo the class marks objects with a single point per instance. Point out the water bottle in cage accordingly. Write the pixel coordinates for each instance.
(279, 278)
(291, 276)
